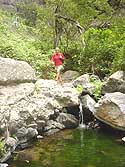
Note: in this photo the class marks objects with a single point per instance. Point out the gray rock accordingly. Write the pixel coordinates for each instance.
(88, 103)
(31, 133)
(70, 75)
(11, 94)
(51, 132)
(115, 83)
(24, 145)
(27, 133)
(121, 87)
(83, 80)
(3, 165)
(68, 120)
(11, 143)
(22, 132)
(6, 156)
(33, 105)
(13, 71)
(111, 110)
(53, 125)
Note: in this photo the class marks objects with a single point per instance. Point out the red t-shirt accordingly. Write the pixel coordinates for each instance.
(58, 59)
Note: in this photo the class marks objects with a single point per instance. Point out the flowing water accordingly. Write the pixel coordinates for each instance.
(81, 118)
(73, 148)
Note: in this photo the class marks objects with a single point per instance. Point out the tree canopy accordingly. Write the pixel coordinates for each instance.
(90, 33)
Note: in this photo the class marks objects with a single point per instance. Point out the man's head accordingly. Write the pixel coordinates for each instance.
(57, 49)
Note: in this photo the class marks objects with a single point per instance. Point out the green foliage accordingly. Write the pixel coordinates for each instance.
(98, 87)
(21, 45)
(119, 60)
(27, 9)
(80, 88)
(103, 54)
(29, 35)
(119, 56)
(99, 51)
(37, 89)
(2, 148)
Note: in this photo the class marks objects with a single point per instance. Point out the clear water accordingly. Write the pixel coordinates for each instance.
(76, 148)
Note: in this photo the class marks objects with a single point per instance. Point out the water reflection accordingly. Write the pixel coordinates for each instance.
(81, 138)
(77, 148)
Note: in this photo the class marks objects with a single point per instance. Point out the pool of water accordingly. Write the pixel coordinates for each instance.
(73, 148)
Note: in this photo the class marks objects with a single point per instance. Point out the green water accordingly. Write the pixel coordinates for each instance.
(76, 148)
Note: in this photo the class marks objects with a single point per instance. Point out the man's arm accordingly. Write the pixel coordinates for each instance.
(62, 57)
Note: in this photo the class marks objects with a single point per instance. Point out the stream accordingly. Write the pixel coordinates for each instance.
(73, 148)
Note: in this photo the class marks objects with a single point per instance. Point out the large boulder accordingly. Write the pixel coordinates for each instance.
(70, 75)
(13, 71)
(33, 105)
(86, 82)
(82, 80)
(57, 94)
(111, 110)
(115, 83)
(11, 94)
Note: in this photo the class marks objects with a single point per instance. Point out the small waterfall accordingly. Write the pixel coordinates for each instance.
(81, 117)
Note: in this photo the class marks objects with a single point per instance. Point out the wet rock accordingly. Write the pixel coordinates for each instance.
(3, 164)
(51, 132)
(68, 120)
(11, 143)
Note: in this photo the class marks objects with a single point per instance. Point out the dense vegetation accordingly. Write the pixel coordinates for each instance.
(90, 33)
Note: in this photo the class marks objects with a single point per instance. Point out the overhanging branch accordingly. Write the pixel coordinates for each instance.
(76, 23)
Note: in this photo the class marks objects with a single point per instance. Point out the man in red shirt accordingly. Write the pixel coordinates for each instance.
(58, 59)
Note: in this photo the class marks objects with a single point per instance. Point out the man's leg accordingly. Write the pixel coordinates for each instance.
(58, 75)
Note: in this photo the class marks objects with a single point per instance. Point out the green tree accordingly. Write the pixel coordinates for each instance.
(89, 32)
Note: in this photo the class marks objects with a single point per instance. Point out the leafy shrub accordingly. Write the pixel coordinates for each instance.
(31, 39)
(98, 87)
(119, 60)
(21, 45)
(2, 148)
(79, 88)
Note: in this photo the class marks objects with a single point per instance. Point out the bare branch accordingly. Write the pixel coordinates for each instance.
(76, 23)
